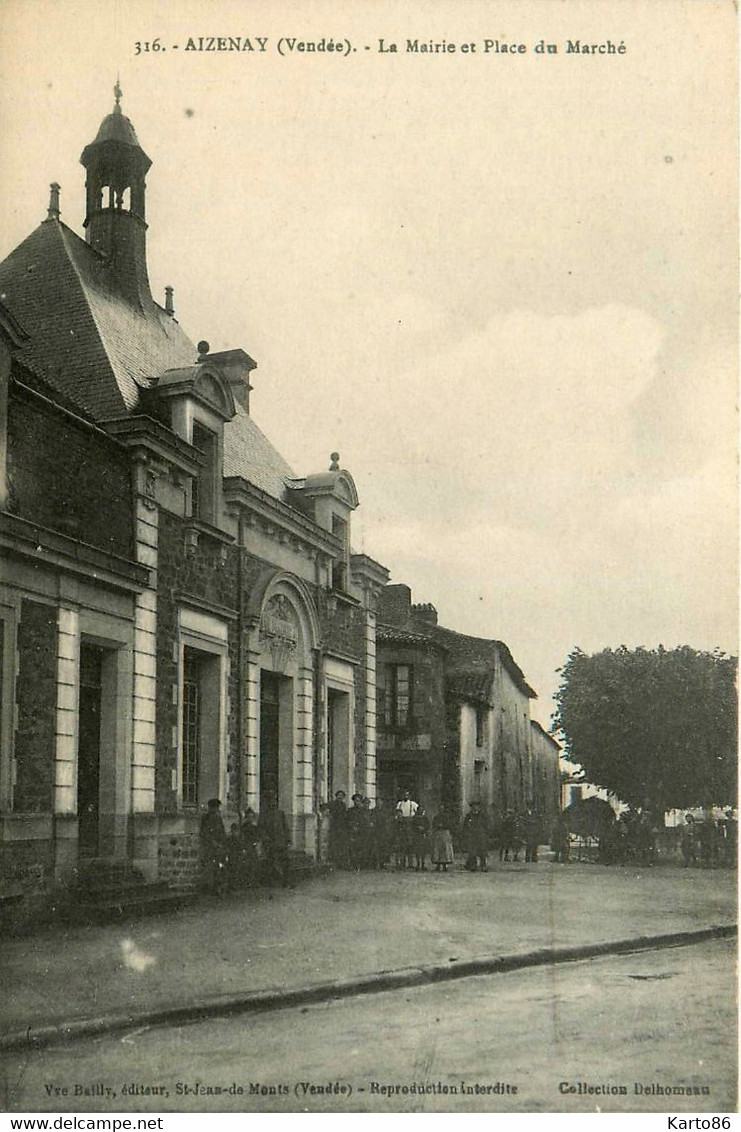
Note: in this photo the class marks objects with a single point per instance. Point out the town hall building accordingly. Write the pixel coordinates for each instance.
(181, 614)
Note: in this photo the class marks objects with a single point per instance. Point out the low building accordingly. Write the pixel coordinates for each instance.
(454, 717)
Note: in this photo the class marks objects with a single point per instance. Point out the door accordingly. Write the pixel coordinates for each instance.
(88, 749)
(269, 737)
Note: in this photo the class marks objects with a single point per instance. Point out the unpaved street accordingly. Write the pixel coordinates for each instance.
(524, 1041)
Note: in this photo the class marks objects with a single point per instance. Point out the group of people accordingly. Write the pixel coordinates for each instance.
(709, 843)
(704, 843)
(629, 840)
(255, 851)
(362, 836)
(378, 836)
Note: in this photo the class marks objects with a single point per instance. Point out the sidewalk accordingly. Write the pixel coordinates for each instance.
(345, 926)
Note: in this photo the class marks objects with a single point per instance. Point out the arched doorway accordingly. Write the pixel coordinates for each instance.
(280, 702)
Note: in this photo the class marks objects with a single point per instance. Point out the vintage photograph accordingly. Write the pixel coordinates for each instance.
(368, 576)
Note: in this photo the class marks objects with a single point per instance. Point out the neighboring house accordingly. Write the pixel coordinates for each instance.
(182, 616)
(454, 717)
(576, 788)
(546, 775)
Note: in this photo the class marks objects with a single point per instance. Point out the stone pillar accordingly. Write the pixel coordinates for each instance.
(65, 741)
(145, 663)
(251, 693)
(370, 704)
(304, 833)
(68, 693)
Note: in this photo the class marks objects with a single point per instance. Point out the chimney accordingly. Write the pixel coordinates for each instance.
(425, 612)
(53, 201)
(236, 367)
(395, 604)
(169, 308)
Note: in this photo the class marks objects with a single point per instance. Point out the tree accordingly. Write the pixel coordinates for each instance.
(656, 727)
(589, 817)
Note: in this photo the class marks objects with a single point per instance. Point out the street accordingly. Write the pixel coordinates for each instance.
(577, 1037)
(346, 925)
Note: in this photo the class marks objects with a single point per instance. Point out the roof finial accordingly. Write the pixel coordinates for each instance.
(335, 465)
(118, 92)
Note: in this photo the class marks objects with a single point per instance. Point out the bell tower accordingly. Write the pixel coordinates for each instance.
(115, 223)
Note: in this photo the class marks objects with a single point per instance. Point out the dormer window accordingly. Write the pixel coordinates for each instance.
(205, 484)
(340, 530)
(200, 401)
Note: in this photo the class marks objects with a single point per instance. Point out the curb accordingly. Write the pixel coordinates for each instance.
(249, 1002)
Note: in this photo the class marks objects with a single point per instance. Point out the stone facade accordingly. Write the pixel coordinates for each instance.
(181, 615)
(466, 734)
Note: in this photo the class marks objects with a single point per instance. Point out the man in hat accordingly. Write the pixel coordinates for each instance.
(475, 838)
(214, 847)
(358, 832)
(272, 829)
(338, 830)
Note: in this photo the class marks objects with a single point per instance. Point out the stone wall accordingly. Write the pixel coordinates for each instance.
(207, 572)
(68, 477)
(36, 703)
(179, 860)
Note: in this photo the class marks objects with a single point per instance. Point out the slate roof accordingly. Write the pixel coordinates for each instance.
(87, 340)
(475, 653)
(472, 686)
(391, 635)
(249, 453)
(98, 350)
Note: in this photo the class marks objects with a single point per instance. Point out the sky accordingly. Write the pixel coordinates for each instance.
(501, 285)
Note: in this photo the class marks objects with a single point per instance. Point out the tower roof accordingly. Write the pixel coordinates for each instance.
(117, 128)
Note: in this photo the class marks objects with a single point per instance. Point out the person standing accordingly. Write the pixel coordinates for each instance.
(507, 836)
(272, 829)
(406, 808)
(532, 836)
(442, 841)
(338, 830)
(250, 847)
(475, 838)
(214, 847)
(689, 842)
(357, 824)
(420, 834)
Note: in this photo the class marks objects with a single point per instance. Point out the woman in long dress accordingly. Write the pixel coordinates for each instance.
(442, 842)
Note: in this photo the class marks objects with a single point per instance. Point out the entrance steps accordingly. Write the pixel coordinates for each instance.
(109, 889)
(303, 865)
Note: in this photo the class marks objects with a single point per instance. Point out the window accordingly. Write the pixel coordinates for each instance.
(575, 794)
(398, 695)
(191, 727)
(339, 568)
(204, 484)
(480, 726)
(200, 742)
(202, 762)
(478, 770)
